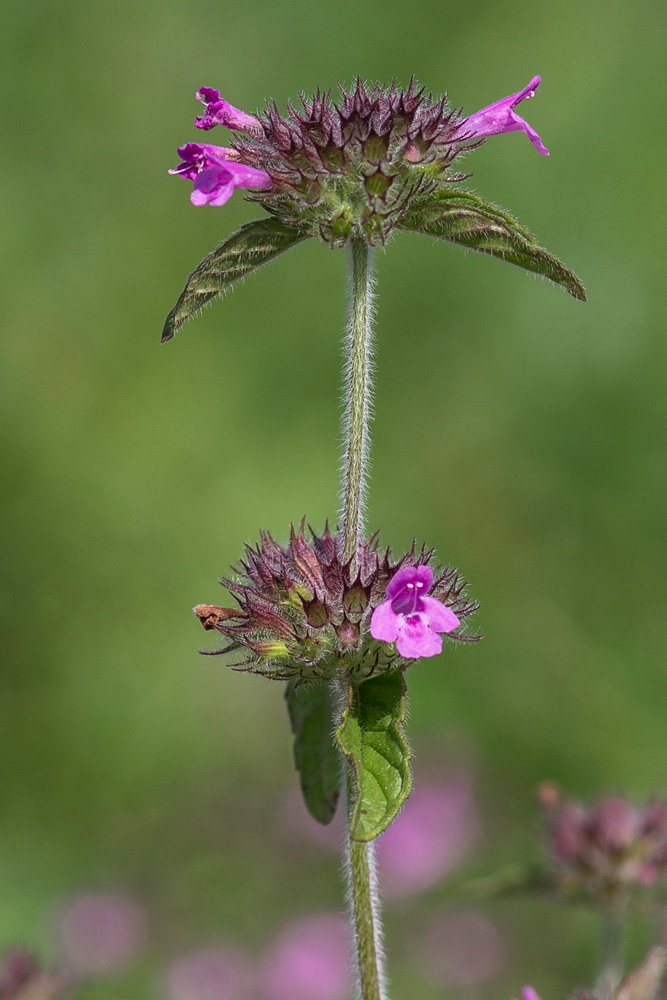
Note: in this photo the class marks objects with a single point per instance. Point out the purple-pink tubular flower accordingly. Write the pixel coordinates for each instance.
(220, 112)
(501, 117)
(216, 173)
(409, 617)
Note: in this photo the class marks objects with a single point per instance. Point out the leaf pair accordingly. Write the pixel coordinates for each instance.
(458, 216)
(370, 738)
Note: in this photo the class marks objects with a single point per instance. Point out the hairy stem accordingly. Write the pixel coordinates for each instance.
(612, 955)
(360, 858)
(358, 396)
(365, 916)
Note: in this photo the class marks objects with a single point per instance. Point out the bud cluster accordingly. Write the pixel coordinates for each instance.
(611, 849)
(304, 612)
(353, 168)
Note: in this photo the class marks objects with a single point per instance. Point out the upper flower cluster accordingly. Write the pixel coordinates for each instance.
(610, 848)
(305, 612)
(340, 170)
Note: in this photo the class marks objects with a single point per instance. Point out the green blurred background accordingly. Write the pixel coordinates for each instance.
(520, 432)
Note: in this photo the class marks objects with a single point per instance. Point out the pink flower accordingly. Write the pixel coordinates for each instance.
(101, 932)
(216, 173)
(501, 117)
(211, 974)
(433, 833)
(409, 617)
(309, 961)
(529, 993)
(220, 112)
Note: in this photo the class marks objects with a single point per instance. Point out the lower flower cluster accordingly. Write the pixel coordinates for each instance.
(303, 611)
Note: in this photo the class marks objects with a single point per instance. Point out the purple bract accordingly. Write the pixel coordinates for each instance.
(216, 173)
(501, 117)
(409, 617)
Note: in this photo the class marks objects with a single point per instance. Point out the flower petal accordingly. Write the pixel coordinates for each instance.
(196, 156)
(527, 92)
(521, 125)
(440, 617)
(248, 177)
(214, 185)
(416, 639)
(384, 623)
(409, 574)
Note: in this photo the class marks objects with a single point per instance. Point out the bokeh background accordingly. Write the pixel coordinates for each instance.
(518, 431)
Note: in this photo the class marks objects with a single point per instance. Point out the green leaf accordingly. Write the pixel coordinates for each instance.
(464, 218)
(378, 755)
(253, 245)
(316, 755)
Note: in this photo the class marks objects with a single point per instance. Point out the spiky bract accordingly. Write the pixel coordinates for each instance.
(304, 612)
(351, 169)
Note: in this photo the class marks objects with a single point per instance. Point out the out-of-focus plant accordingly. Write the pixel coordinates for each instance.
(611, 855)
(334, 616)
(643, 983)
(22, 978)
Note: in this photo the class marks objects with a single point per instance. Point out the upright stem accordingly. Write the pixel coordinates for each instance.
(358, 396)
(612, 955)
(360, 858)
(365, 917)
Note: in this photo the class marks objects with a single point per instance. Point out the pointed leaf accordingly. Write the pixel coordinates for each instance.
(378, 755)
(316, 755)
(464, 218)
(253, 245)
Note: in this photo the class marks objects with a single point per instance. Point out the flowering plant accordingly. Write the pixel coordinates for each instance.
(380, 161)
(336, 617)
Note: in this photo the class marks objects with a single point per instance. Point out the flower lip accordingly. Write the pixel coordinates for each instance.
(197, 156)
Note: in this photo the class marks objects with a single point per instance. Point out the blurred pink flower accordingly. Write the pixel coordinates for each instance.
(309, 961)
(17, 969)
(213, 974)
(100, 932)
(22, 979)
(529, 993)
(463, 948)
(434, 832)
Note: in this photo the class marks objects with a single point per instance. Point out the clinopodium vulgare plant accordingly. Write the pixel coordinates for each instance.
(336, 618)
